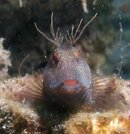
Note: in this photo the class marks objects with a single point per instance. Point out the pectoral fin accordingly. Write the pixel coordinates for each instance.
(34, 88)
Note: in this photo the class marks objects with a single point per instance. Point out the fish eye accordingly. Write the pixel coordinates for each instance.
(55, 58)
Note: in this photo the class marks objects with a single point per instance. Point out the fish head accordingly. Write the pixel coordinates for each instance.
(67, 77)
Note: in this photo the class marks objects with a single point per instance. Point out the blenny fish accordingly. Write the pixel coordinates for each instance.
(67, 76)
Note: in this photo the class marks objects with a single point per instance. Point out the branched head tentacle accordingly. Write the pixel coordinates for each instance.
(67, 39)
(52, 27)
(78, 28)
(57, 36)
(57, 32)
(77, 38)
(49, 39)
(72, 37)
(61, 41)
(72, 32)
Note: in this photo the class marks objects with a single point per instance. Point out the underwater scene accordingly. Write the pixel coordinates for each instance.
(64, 67)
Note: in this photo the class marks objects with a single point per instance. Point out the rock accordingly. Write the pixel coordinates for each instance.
(98, 123)
(4, 61)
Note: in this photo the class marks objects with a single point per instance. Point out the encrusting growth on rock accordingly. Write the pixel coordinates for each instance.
(98, 123)
(17, 117)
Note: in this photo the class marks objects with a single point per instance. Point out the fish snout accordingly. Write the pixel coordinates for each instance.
(69, 88)
(70, 93)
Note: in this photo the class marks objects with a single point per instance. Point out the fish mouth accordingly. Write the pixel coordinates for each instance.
(69, 87)
(70, 91)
